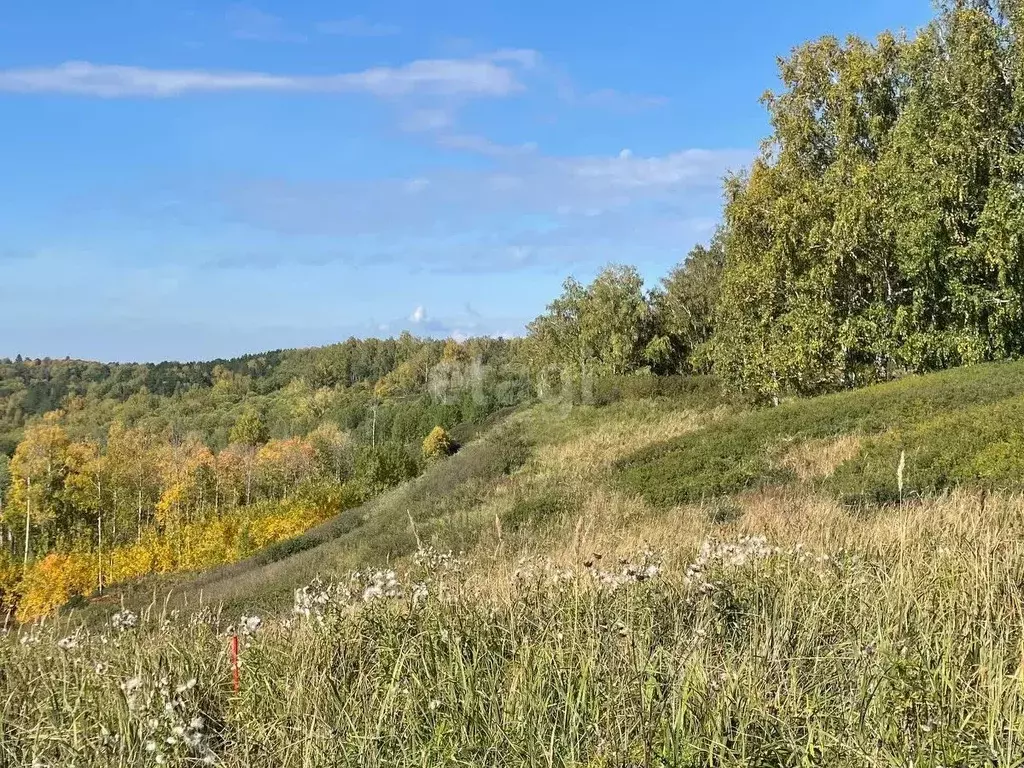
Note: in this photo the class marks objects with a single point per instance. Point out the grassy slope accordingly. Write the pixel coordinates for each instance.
(960, 427)
(864, 634)
(670, 467)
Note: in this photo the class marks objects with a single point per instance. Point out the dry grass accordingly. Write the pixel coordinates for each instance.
(594, 450)
(819, 459)
(888, 637)
(617, 524)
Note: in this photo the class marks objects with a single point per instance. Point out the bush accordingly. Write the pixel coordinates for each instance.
(685, 391)
(438, 445)
(285, 549)
(546, 507)
(736, 453)
(979, 447)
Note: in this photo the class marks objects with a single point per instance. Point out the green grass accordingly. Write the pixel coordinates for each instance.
(898, 645)
(765, 659)
(947, 422)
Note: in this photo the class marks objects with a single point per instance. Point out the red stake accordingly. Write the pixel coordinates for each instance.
(234, 661)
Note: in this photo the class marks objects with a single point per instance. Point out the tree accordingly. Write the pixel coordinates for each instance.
(37, 475)
(685, 305)
(250, 428)
(5, 490)
(437, 445)
(334, 451)
(250, 431)
(133, 456)
(880, 231)
(87, 477)
(602, 328)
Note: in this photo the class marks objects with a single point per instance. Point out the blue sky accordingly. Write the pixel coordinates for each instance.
(188, 180)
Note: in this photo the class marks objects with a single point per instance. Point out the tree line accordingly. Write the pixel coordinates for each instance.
(879, 232)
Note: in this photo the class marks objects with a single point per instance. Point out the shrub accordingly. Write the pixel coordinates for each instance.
(735, 453)
(979, 447)
(547, 506)
(437, 445)
(685, 391)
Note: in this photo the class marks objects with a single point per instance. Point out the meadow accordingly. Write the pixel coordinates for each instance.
(903, 648)
(521, 604)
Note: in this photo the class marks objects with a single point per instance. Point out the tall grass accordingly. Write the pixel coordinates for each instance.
(587, 626)
(749, 656)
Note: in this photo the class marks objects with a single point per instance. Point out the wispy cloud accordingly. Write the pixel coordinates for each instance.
(528, 211)
(618, 101)
(491, 75)
(247, 22)
(481, 145)
(356, 26)
(610, 99)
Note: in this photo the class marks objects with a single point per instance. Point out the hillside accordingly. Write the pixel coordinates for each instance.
(557, 587)
(120, 472)
(655, 459)
(765, 512)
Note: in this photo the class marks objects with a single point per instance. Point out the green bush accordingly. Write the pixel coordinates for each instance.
(547, 506)
(736, 453)
(978, 447)
(283, 549)
(685, 391)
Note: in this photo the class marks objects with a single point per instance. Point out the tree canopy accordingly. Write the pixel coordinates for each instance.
(880, 231)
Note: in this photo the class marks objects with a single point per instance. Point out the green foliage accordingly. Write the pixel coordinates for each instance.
(386, 466)
(5, 479)
(974, 443)
(699, 392)
(295, 390)
(250, 429)
(880, 230)
(685, 305)
(602, 328)
(977, 447)
(545, 506)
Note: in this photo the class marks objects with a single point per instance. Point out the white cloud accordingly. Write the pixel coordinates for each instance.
(609, 99)
(418, 315)
(629, 171)
(425, 120)
(486, 76)
(356, 27)
(414, 186)
(527, 183)
(250, 23)
(481, 145)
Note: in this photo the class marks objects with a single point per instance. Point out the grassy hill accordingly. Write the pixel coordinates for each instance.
(647, 456)
(656, 453)
(665, 576)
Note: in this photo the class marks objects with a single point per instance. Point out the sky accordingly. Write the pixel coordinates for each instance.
(192, 179)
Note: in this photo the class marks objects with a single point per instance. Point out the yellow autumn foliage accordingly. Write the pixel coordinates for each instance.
(54, 580)
(49, 583)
